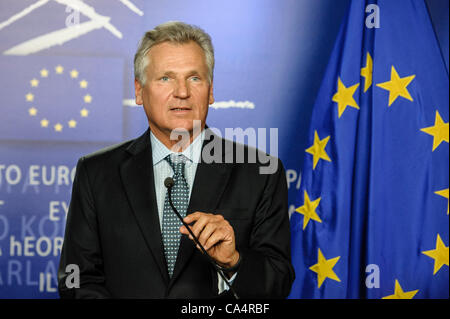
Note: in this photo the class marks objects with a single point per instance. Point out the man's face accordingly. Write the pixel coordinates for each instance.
(177, 90)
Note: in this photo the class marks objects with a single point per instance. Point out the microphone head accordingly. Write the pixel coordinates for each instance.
(168, 182)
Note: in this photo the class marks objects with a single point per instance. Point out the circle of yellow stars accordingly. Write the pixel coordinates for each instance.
(344, 97)
(44, 122)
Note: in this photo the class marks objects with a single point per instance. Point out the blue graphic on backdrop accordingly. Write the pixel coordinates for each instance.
(270, 59)
(75, 27)
(64, 99)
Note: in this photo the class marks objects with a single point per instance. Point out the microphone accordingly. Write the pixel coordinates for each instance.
(169, 183)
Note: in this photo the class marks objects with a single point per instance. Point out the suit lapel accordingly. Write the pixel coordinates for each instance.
(209, 185)
(138, 180)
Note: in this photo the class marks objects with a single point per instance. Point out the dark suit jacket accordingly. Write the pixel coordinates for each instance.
(113, 231)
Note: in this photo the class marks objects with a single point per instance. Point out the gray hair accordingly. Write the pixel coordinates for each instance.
(176, 32)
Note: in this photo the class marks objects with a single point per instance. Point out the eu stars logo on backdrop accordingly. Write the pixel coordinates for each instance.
(61, 98)
(375, 179)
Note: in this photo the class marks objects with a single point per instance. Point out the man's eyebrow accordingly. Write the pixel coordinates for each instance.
(193, 72)
(170, 73)
(189, 73)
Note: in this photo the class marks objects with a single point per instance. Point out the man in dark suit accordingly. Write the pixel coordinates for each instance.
(121, 231)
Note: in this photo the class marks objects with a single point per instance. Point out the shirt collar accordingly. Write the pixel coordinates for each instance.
(192, 152)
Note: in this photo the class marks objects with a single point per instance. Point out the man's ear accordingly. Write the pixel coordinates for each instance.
(211, 94)
(138, 92)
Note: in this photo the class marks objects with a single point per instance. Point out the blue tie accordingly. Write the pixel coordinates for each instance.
(171, 224)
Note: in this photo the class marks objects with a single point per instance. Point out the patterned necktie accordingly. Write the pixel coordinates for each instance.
(180, 198)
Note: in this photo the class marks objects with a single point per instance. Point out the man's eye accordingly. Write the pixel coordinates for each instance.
(165, 78)
(195, 78)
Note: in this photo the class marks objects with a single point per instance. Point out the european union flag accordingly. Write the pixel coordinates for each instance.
(61, 98)
(372, 212)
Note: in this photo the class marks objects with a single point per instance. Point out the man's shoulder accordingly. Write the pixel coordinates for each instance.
(117, 152)
(108, 151)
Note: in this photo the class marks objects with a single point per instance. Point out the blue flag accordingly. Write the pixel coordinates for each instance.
(372, 217)
(61, 99)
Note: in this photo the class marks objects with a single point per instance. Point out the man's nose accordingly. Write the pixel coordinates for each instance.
(181, 90)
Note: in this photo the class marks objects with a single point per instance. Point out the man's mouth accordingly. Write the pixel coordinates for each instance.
(180, 109)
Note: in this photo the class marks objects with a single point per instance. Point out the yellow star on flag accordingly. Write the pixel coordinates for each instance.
(84, 112)
(32, 111)
(318, 149)
(397, 86)
(324, 269)
(58, 127)
(344, 97)
(59, 69)
(44, 73)
(439, 131)
(443, 193)
(87, 98)
(72, 123)
(74, 74)
(44, 123)
(308, 210)
(29, 97)
(367, 72)
(83, 84)
(400, 294)
(34, 82)
(439, 254)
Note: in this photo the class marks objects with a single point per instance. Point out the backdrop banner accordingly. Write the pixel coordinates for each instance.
(67, 90)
